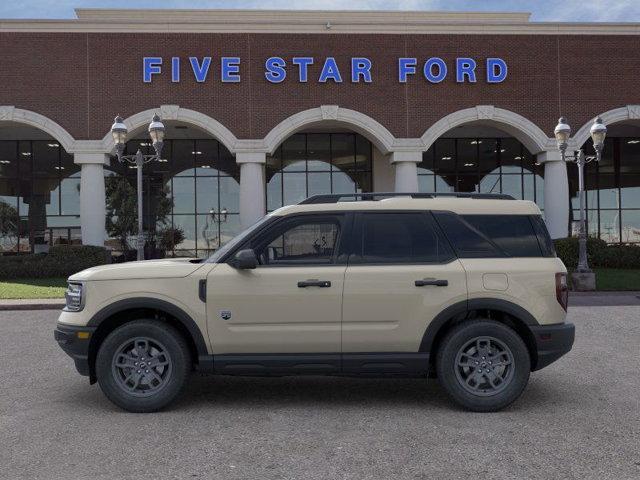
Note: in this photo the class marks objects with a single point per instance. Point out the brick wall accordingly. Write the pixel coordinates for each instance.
(81, 80)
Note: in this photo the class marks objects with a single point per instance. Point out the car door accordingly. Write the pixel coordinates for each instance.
(402, 272)
(291, 303)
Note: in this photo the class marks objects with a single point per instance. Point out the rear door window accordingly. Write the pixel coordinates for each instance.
(399, 238)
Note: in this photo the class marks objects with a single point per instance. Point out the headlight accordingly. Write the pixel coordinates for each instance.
(74, 297)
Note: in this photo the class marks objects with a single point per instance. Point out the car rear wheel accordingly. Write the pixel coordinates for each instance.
(143, 365)
(483, 365)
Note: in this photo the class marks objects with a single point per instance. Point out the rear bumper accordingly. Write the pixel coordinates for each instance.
(552, 342)
(75, 346)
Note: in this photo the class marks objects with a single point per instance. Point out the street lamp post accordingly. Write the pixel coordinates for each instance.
(598, 133)
(156, 132)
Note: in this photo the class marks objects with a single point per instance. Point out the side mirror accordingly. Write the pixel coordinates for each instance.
(245, 260)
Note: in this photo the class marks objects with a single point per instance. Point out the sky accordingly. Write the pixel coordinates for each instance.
(542, 10)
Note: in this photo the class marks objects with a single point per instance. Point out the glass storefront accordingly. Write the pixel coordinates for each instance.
(612, 190)
(191, 197)
(485, 165)
(315, 163)
(39, 196)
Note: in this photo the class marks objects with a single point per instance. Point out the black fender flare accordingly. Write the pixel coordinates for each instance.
(464, 307)
(156, 304)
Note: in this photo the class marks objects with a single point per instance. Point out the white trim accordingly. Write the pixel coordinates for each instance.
(9, 113)
(382, 138)
(175, 112)
(617, 115)
(516, 125)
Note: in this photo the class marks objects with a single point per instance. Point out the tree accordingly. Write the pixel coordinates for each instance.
(122, 210)
(9, 223)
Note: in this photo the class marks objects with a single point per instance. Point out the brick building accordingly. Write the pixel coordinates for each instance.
(263, 108)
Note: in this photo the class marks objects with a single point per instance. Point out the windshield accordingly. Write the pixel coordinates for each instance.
(235, 241)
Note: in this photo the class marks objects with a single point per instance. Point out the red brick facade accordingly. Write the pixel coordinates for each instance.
(81, 80)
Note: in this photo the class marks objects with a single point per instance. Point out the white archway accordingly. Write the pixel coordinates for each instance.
(617, 115)
(374, 131)
(9, 113)
(528, 133)
(177, 113)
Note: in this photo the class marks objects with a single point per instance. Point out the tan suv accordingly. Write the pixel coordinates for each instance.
(465, 287)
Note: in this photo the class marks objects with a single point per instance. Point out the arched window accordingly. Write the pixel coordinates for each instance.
(191, 197)
(316, 163)
(612, 187)
(39, 195)
(485, 165)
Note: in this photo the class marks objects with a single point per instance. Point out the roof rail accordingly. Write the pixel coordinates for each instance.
(373, 196)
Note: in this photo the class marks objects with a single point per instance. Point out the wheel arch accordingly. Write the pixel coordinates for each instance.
(503, 311)
(127, 310)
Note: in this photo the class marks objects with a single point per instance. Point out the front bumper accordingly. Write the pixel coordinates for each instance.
(552, 342)
(75, 340)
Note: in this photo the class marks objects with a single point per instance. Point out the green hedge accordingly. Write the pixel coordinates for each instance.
(61, 261)
(599, 254)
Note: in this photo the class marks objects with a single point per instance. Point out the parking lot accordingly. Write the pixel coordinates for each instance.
(579, 418)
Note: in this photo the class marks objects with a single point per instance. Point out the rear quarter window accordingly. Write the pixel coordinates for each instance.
(513, 234)
(494, 236)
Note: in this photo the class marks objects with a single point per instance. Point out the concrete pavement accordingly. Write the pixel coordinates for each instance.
(579, 418)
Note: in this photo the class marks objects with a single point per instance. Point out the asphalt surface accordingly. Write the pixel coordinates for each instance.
(579, 418)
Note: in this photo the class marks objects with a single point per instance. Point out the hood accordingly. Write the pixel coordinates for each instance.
(166, 268)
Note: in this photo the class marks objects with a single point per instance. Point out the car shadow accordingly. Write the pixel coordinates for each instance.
(219, 392)
(226, 391)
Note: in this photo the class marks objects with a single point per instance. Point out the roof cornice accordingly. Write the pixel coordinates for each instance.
(308, 21)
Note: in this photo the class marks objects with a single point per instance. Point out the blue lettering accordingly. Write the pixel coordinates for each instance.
(276, 72)
(428, 70)
(465, 67)
(331, 71)
(360, 67)
(303, 64)
(496, 70)
(230, 69)
(200, 71)
(175, 69)
(150, 66)
(406, 66)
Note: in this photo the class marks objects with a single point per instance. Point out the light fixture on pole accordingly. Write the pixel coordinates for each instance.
(598, 133)
(119, 133)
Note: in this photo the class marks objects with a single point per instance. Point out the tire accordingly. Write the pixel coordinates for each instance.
(503, 365)
(138, 385)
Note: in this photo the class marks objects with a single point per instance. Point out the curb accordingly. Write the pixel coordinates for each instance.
(5, 307)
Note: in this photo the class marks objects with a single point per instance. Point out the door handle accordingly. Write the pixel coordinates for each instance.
(314, 283)
(431, 281)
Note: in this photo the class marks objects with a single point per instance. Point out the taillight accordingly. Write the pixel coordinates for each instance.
(562, 290)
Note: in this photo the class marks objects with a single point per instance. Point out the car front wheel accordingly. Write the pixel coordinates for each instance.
(143, 365)
(483, 365)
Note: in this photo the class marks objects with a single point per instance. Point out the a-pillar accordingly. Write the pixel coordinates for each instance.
(252, 187)
(556, 194)
(92, 197)
(406, 167)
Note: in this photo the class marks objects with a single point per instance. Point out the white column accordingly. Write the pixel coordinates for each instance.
(92, 198)
(556, 194)
(252, 187)
(406, 167)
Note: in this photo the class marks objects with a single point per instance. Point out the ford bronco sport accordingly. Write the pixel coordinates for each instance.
(464, 287)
